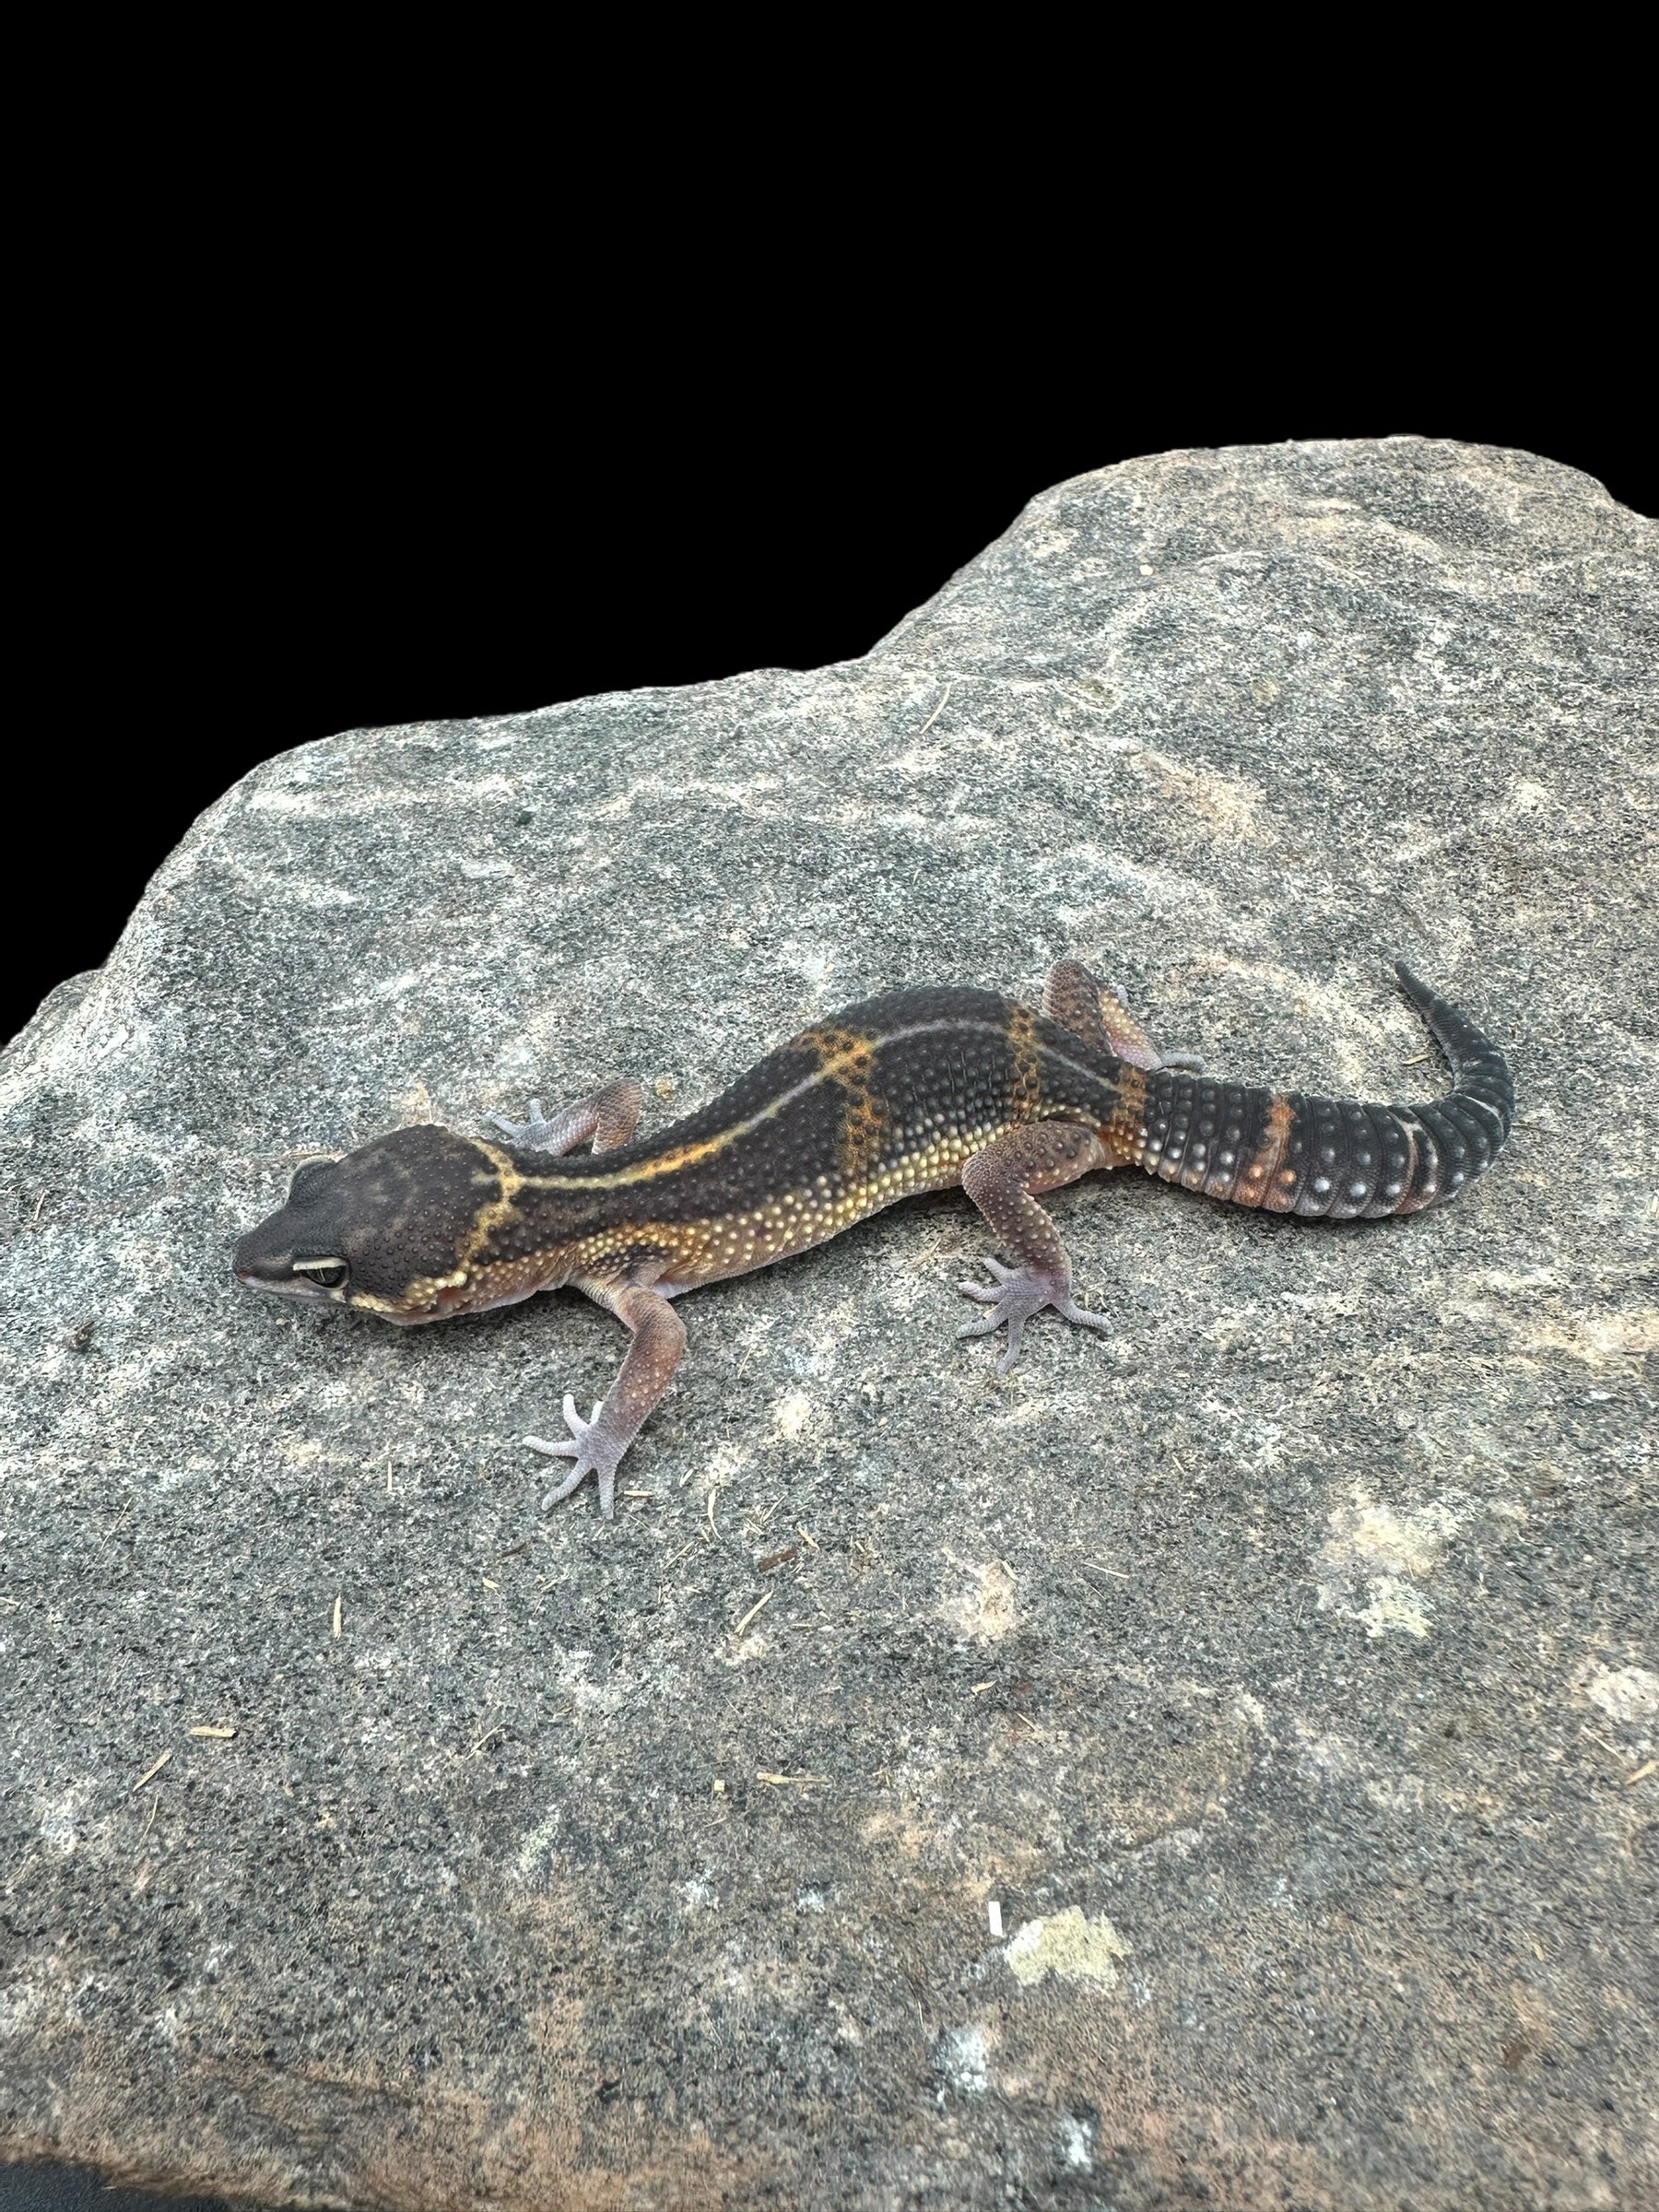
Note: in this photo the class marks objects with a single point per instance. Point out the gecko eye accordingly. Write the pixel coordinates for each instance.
(328, 1275)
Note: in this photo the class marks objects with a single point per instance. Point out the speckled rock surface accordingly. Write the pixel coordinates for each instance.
(1273, 1672)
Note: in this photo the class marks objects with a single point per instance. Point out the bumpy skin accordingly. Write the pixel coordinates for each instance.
(916, 1090)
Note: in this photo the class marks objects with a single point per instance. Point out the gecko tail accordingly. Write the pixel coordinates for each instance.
(1340, 1159)
(1479, 1071)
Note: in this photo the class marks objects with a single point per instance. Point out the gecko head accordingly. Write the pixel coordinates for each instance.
(388, 1228)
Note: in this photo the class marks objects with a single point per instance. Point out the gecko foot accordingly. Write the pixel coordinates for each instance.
(1192, 1063)
(534, 1134)
(609, 1118)
(594, 1449)
(1019, 1293)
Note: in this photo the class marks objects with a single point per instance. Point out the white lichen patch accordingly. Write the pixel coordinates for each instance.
(1368, 1566)
(1331, 1761)
(1377, 1538)
(1395, 1792)
(1051, 543)
(61, 1819)
(537, 1845)
(1252, 1713)
(1225, 806)
(17, 2003)
(569, 1670)
(1023, 1413)
(271, 798)
(1394, 1606)
(1069, 1945)
(985, 1610)
(727, 1463)
(1326, 1759)
(814, 1351)
(1077, 2142)
(962, 2059)
(1256, 1446)
(1625, 1694)
(814, 964)
(1614, 1334)
(793, 1414)
(1594, 1338)
(415, 1105)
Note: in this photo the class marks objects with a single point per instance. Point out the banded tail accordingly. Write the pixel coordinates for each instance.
(1290, 1154)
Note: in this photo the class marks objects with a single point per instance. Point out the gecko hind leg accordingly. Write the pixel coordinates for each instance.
(609, 1117)
(1095, 1012)
(1002, 1181)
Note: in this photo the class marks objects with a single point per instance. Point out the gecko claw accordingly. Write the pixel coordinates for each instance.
(594, 1452)
(1020, 1293)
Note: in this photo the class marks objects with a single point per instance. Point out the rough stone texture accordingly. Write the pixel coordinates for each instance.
(1276, 1667)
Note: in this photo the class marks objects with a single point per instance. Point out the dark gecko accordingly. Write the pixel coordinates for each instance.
(915, 1090)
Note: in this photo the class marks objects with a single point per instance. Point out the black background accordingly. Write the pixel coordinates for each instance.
(77, 2189)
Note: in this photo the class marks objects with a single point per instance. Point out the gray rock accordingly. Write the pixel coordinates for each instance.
(1274, 1670)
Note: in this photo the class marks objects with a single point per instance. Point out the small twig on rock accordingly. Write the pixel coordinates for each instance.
(939, 710)
(749, 1616)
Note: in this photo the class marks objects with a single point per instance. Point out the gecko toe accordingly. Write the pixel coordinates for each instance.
(1081, 1318)
(572, 1481)
(992, 1293)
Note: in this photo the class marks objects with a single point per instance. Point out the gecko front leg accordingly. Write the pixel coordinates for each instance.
(609, 1117)
(597, 1444)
